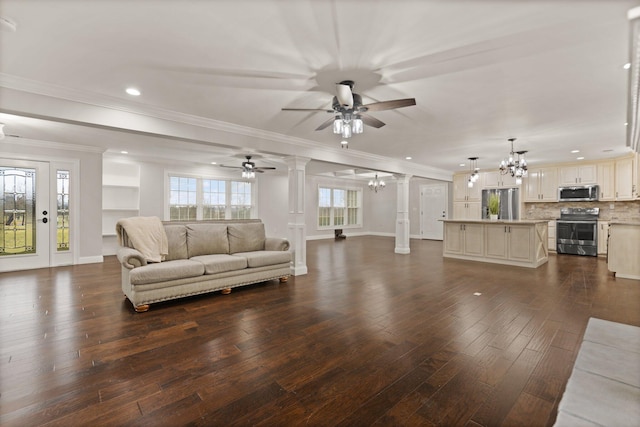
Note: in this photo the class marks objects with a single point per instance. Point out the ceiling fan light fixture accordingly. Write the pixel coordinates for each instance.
(337, 125)
(358, 125)
(346, 130)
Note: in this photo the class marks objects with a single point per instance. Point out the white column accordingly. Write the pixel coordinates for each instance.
(296, 224)
(402, 215)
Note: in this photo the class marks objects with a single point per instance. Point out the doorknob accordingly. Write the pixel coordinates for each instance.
(45, 220)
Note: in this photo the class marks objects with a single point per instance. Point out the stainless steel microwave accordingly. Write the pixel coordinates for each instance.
(581, 193)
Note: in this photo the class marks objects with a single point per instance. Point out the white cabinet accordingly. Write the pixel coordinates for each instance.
(552, 236)
(495, 179)
(541, 185)
(624, 250)
(509, 242)
(120, 199)
(463, 239)
(607, 181)
(461, 190)
(520, 243)
(625, 184)
(467, 210)
(578, 174)
(466, 200)
(603, 234)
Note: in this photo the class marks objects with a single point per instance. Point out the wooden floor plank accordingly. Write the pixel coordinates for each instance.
(367, 337)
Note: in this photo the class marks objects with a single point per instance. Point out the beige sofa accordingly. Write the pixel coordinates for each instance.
(203, 256)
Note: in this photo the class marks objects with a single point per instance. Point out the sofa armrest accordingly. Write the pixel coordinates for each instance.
(276, 244)
(130, 258)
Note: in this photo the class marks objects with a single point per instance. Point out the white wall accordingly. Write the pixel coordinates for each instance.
(273, 203)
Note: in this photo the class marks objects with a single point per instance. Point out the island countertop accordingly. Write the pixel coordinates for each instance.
(499, 221)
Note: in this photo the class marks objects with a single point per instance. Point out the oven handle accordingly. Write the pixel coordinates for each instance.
(571, 221)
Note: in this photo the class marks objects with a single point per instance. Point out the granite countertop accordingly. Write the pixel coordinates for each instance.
(500, 221)
(622, 222)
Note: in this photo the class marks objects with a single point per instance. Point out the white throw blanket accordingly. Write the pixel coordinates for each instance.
(146, 234)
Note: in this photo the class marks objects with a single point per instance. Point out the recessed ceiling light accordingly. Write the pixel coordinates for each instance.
(133, 91)
(461, 164)
(213, 163)
(626, 123)
(575, 151)
(580, 158)
(124, 152)
(408, 158)
(608, 150)
(627, 66)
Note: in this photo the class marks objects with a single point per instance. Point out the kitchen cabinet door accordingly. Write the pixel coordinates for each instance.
(577, 175)
(606, 181)
(624, 179)
(603, 234)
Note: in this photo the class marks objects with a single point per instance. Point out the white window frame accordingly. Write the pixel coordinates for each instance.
(200, 197)
(332, 225)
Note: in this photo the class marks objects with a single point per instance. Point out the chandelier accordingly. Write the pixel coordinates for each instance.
(347, 125)
(474, 171)
(515, 166)
(376, 184)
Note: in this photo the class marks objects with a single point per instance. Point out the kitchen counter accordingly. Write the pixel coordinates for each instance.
(522, 243)
(623, 258)
(499, 221)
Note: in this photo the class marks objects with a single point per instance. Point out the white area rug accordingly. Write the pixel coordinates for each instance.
(604, 387)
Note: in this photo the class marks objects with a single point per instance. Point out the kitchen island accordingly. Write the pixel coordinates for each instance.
(623, 257)
(522, 243)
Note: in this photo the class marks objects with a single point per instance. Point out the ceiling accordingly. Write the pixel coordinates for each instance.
(218, 73)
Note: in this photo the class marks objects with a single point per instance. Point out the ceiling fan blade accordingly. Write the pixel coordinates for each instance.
(308, 109)
(344, 95)
(265, 168)
(232, 167)
(371, 121)
(390, 105)
(326, 124)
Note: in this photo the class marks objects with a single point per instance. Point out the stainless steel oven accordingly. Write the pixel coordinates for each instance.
(577, 231)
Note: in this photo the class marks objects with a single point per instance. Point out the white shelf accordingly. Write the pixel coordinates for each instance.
(120, 199)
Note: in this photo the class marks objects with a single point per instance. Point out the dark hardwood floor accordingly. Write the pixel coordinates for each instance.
(368, 337)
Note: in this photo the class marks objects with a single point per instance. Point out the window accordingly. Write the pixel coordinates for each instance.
(192, 198)
(62, 217)
(339, 207)
(182, 198)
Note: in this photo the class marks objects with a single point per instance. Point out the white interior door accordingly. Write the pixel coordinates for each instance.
(25, 213)
(433, 208)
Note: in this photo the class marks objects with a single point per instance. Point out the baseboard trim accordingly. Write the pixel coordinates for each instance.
(90, 259)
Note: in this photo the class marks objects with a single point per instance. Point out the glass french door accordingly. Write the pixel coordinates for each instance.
(25, 212)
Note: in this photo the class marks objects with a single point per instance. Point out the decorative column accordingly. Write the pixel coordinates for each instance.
(296, 224)
(402, 215)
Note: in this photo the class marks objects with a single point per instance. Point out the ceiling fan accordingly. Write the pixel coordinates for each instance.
(350, 112)
(249, 168)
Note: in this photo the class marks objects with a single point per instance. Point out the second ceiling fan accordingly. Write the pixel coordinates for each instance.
(249, 168)
(350, 113)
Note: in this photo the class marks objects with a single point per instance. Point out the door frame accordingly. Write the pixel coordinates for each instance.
(446, 189)
(72, 256)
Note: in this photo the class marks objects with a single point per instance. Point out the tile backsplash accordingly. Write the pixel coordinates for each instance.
(623, 211)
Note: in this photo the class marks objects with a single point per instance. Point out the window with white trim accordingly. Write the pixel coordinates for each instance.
(339, 207)
(196, 198)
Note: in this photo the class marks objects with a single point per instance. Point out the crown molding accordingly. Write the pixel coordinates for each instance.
(36, 143)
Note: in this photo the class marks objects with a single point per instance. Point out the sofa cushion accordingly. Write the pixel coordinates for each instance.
(264, 258)
(220, 263)
(167, 270)
(246, 237)
(177, 237)
(207, 239)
